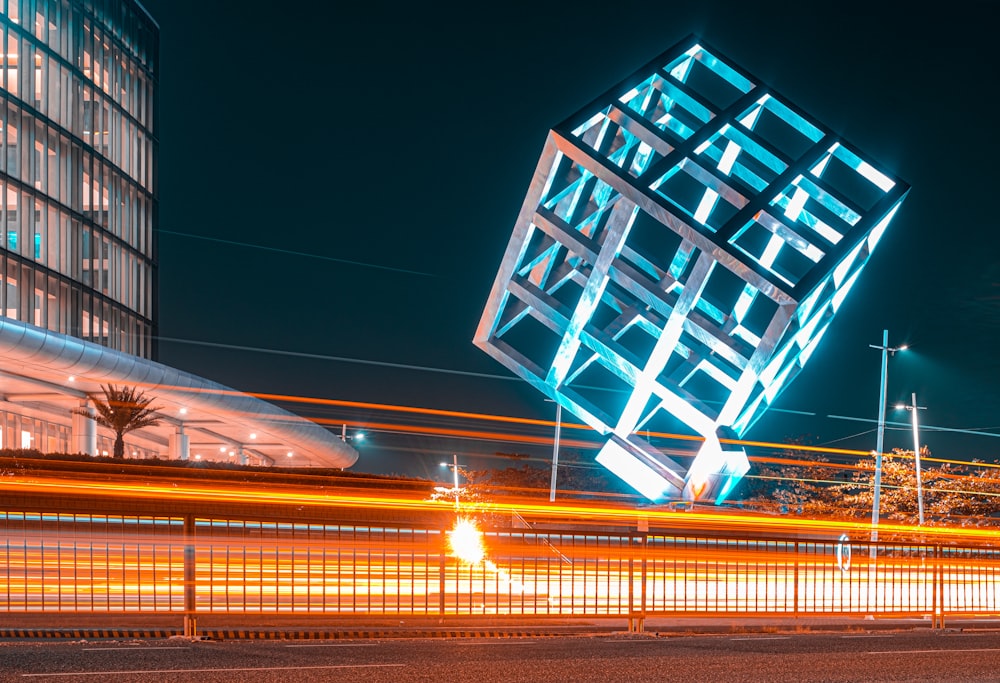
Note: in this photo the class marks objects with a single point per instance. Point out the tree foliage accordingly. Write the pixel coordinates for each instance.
(797, 482)
(953, 493)
(966, 494)
(124, 410)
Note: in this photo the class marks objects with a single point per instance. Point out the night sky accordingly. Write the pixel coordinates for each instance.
(376, 156)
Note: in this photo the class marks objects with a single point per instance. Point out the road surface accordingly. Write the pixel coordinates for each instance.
(828, 657)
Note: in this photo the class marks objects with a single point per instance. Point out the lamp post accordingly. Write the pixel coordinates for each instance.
(913, 407)
(344, 436)
(454, 469)
(880, 438)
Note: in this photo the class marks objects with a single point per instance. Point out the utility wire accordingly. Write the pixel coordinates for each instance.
(484, 375)
(906, 425)
(339, 359)
(295, 253)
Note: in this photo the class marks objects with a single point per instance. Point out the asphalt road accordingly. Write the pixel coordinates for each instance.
(858, 656)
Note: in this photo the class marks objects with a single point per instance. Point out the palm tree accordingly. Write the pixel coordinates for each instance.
(124, 410)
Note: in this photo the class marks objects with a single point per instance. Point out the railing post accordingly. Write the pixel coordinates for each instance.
(637, 618)
(642, 586)
(632, 540)
(873, 580)
(441, 572)
(190, 618)
(938, 616)
(795, 586)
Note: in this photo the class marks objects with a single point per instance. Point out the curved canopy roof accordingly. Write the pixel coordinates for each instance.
(53, 372)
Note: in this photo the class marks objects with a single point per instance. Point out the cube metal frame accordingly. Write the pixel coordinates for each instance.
(685, 242)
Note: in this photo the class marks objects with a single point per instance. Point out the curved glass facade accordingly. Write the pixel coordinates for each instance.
(77, 172)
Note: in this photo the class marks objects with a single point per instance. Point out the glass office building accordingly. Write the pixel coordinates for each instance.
(77, 172)
(78, 262)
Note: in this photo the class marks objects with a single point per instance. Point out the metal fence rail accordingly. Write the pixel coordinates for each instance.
(195, 565)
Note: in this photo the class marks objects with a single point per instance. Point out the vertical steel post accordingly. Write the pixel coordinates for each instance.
(643, 542)
(190, 618)
(795, 588)
(937, 594)
(879, 440)
(555, 453)
(939, 573)
(442, 568)
(916, 459)
(631, 582)
(934, 589)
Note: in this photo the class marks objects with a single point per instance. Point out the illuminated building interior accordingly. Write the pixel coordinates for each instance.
(78, 261)
(685, 243)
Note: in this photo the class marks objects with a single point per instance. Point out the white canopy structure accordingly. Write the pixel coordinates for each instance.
(47, 379)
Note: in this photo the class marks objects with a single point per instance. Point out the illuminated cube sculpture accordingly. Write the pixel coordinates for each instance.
(685, 242)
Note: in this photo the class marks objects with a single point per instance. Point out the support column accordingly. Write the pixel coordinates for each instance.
(178, 445)
(83, 437)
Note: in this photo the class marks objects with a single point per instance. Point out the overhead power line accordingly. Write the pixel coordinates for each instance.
(290, 252)
(484, 375)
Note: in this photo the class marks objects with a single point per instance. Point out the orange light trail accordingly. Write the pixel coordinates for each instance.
(463, 433)
(583, 569)
(545, 440)
(796, 447)
(575, 513)
(413, 410)
(475, 434)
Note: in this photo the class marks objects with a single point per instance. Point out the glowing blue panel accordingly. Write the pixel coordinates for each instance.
(683, 247)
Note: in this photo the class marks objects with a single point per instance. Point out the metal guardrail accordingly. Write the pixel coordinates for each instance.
(191, 565)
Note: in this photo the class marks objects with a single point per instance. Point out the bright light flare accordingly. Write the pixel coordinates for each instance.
(466, 541)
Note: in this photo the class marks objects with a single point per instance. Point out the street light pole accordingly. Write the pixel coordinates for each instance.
(356, 436)
(880, 438)
(916, 456)
(454, 471)
(555, 453)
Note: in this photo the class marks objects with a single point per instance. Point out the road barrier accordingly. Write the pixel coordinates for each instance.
(192, 565)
